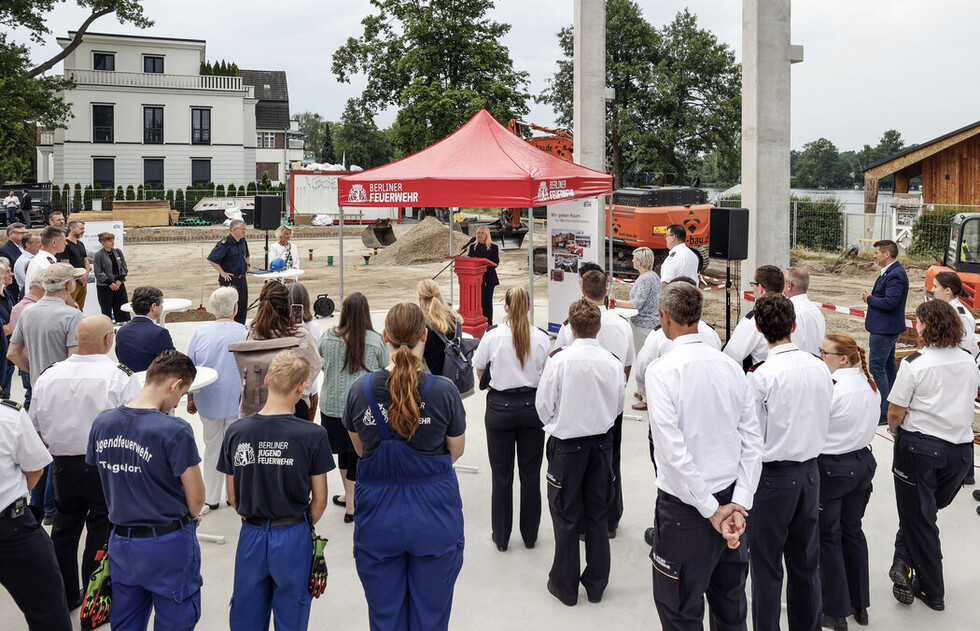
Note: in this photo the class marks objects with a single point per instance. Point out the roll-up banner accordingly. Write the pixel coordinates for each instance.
(573, 239)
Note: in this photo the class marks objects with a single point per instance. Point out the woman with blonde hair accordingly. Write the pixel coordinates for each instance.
(847, 468)
(283, 249)
(408, 530)
(644, 297)
(439, 317)
(485, 248)
(510, 359)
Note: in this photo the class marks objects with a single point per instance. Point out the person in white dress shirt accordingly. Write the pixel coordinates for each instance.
(930, 412)
(283, 249)
(616, 336)
(793, 392)
(581, 391)
(682, 261)
(709, 451)
(810, 323)
(847, 468)
(509, 360)
(948, 287)
(747, 345)
(67, 397)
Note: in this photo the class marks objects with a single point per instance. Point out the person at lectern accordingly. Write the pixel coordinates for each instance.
(484, 248)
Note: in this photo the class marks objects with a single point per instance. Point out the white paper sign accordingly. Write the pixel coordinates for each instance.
(91, 237)
(573, 239)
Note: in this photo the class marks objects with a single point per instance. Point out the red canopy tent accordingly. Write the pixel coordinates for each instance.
(481, 164)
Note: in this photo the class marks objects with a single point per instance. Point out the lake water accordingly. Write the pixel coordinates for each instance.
(853, 198)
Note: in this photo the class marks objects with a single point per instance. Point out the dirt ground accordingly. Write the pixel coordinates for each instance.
(180, 270)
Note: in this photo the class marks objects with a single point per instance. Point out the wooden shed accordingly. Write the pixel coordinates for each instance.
(949, 166)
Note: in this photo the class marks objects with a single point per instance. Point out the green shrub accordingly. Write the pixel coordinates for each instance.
(179, 199)
(87, 196)
(819, 223)
(930, 232)
(241, 191)
(220, 191)
(76, 200)
(139, 193)
(119, 193)
(250, 189)
(55, 198)
(170, 196)
(232, 189)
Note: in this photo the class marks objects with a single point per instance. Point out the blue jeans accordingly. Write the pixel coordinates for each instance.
(11, 214)
(25, 380)
(881, 364)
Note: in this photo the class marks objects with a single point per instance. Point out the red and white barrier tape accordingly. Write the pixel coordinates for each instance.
(838, 309)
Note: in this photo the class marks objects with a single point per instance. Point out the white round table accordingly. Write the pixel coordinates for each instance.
(169, 306)
(625, 312)
(286, 274)
(205, 377)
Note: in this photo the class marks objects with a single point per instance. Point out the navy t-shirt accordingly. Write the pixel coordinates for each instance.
(442, 414)
(272, 459)
(140, 455)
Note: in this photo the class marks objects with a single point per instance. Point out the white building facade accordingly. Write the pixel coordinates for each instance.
(143, 114)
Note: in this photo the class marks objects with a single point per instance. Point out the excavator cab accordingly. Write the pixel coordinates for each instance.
(962, 256)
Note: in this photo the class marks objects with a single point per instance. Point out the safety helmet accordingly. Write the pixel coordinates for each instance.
(277, 265)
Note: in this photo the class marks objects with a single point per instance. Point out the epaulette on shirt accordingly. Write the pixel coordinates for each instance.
(656, 328)
(46, 369)
(752, 369)
(223, 241)
(961, 310)
(555, 352)
(491, 328)
(913, 356)
(125, 369)
(565, 323)
(750, 315)
(542, 330)
(11, 404)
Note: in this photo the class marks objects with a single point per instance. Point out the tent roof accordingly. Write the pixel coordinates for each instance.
(481, 164)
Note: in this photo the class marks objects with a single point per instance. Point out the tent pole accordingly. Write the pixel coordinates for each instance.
(608, 207)
(530, 258)
(340, 225)
(452, 269)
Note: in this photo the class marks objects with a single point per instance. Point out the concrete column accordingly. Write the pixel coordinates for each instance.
(766, 58)
(589, 89)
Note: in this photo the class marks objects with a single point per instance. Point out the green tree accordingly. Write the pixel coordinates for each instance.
(30, 98)
(317, 136)
(359, 141)
(438, 61)
(820, 166)
(678, 94)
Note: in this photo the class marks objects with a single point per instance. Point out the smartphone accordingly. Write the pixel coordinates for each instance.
(297, 313)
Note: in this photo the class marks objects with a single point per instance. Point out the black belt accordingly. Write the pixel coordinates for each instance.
(144, 532)
(15, 510)
(273, 522)
(723, 496)
(784, 464)
(521, 390)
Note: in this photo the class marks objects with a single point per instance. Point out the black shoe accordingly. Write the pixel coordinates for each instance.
(214, 506)
(502, 548)
(882, 420)
(648, 535)
(554, 592)
(901, 577)
(78, 603)
(529, 545)
(348, 519)
(936, 604)
(978, 510)
(336, 500)
(860, 616)
(48, 520)
(831, 622)
(970, 480)
(976, 495)
(595, 599)
(612, 533)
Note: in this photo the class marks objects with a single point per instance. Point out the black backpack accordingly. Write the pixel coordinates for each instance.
(457, 363)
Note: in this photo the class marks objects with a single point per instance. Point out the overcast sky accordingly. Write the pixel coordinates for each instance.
(870, 65)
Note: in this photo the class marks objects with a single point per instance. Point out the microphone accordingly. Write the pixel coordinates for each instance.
(468, 244)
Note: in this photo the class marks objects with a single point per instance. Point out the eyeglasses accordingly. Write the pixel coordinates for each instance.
(824, 353)
(755, 284)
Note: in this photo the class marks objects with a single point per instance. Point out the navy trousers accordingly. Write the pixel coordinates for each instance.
(881, 364)
(928, 473)
(513, 427)
(580, 485)
(616, 501)
(691, 560)
(845, 488)
(784, 526)
(29, 571)
(240, 284)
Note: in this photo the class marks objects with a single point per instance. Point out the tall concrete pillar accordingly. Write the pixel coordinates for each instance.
(589, 86)
(766, 58)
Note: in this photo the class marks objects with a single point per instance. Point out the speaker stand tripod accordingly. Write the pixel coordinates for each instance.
(728, 299)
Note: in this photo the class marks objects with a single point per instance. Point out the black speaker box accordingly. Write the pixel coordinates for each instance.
(729, 234)
(268, 212)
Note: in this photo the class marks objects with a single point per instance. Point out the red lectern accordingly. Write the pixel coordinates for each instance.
(469, 270)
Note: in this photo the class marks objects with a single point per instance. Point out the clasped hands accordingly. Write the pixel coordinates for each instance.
(729, 520)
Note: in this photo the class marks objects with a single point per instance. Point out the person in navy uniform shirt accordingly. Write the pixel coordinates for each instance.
(141, 340)
(709, 457)
(150, 470)
(274, 461)
(930, 413)
(580, 394)
(230, 258)
(793, 392)
(886, 318)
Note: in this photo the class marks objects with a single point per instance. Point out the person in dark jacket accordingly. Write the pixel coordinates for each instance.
(484, 248)
(13, 249)
(110, 269)
(140, 341)
(439, 318)
(886, 319)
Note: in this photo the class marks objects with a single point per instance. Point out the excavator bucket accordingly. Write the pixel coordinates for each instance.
(510, 239)
(379, 234)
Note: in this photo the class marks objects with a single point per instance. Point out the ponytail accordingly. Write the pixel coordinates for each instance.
(518, 304)
(404, 328)
(864, 369)
(847, 346)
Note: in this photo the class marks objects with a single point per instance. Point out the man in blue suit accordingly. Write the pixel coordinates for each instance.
(12, 250)
(140, 340)
(886, 319)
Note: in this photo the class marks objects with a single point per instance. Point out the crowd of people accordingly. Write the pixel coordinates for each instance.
(761, 447)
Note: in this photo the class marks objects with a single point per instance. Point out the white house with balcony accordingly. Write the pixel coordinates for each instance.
(144, 114)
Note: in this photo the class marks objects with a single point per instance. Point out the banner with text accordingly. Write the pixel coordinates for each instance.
(573, 239)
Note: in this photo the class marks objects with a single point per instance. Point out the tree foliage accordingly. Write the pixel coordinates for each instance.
(317, 136)
(678, 94)
(357, 140)
(438, 61)
(820, 166)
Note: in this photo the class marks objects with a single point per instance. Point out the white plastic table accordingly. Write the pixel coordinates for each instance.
(205, 377)
(286, 274)
(170, 305)
(625, 312)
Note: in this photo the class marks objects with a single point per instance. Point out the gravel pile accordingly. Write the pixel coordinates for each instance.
(427, 242)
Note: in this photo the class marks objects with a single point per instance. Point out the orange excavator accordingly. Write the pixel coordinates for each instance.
(640, 216)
